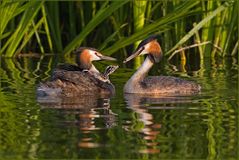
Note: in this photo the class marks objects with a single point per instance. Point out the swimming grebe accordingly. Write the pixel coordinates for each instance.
(165, 85)
(83, 79)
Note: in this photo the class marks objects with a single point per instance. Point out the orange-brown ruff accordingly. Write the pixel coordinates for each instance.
(165, 85)
(85, 57)
(72, 80)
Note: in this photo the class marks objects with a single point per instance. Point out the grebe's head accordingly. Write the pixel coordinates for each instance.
(148, 46)
(85, 56)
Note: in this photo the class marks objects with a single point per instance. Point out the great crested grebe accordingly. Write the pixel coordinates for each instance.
(83, 79)
(165, 85)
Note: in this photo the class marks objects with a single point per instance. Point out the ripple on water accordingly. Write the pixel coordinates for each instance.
(202, 126)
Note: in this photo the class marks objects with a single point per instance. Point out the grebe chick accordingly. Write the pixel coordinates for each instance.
(165, 85)
(83, 79)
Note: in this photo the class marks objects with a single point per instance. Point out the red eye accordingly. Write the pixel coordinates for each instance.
(97, 54)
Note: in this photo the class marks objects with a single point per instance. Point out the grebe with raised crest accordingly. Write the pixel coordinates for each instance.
(162, 85)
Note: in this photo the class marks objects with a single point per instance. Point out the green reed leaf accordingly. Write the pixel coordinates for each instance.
(198, 27)
(157, 27)
(101, 15)
(23, 27)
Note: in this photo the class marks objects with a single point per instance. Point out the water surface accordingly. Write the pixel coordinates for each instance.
(202, 126)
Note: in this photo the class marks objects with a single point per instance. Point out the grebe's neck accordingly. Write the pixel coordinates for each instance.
(93, 69)
(143, 70)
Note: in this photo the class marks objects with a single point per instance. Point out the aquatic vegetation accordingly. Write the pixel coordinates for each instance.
(60, 27)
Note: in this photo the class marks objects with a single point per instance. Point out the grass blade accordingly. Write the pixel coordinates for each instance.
(52, 10)
(101, 15)
(198, 26)
(30, 34)
(22, 29)
(47, 28)
(158, 27)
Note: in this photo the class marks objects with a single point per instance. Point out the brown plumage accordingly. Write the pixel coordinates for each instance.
(169, 85)
(70, 80)
(74, 83)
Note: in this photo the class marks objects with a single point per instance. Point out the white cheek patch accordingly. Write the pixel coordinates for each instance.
(93, 56)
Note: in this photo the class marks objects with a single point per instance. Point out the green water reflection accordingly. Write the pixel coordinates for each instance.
(125, 127)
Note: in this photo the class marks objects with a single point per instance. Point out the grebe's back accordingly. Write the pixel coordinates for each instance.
(74, 83)
(169, 84)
